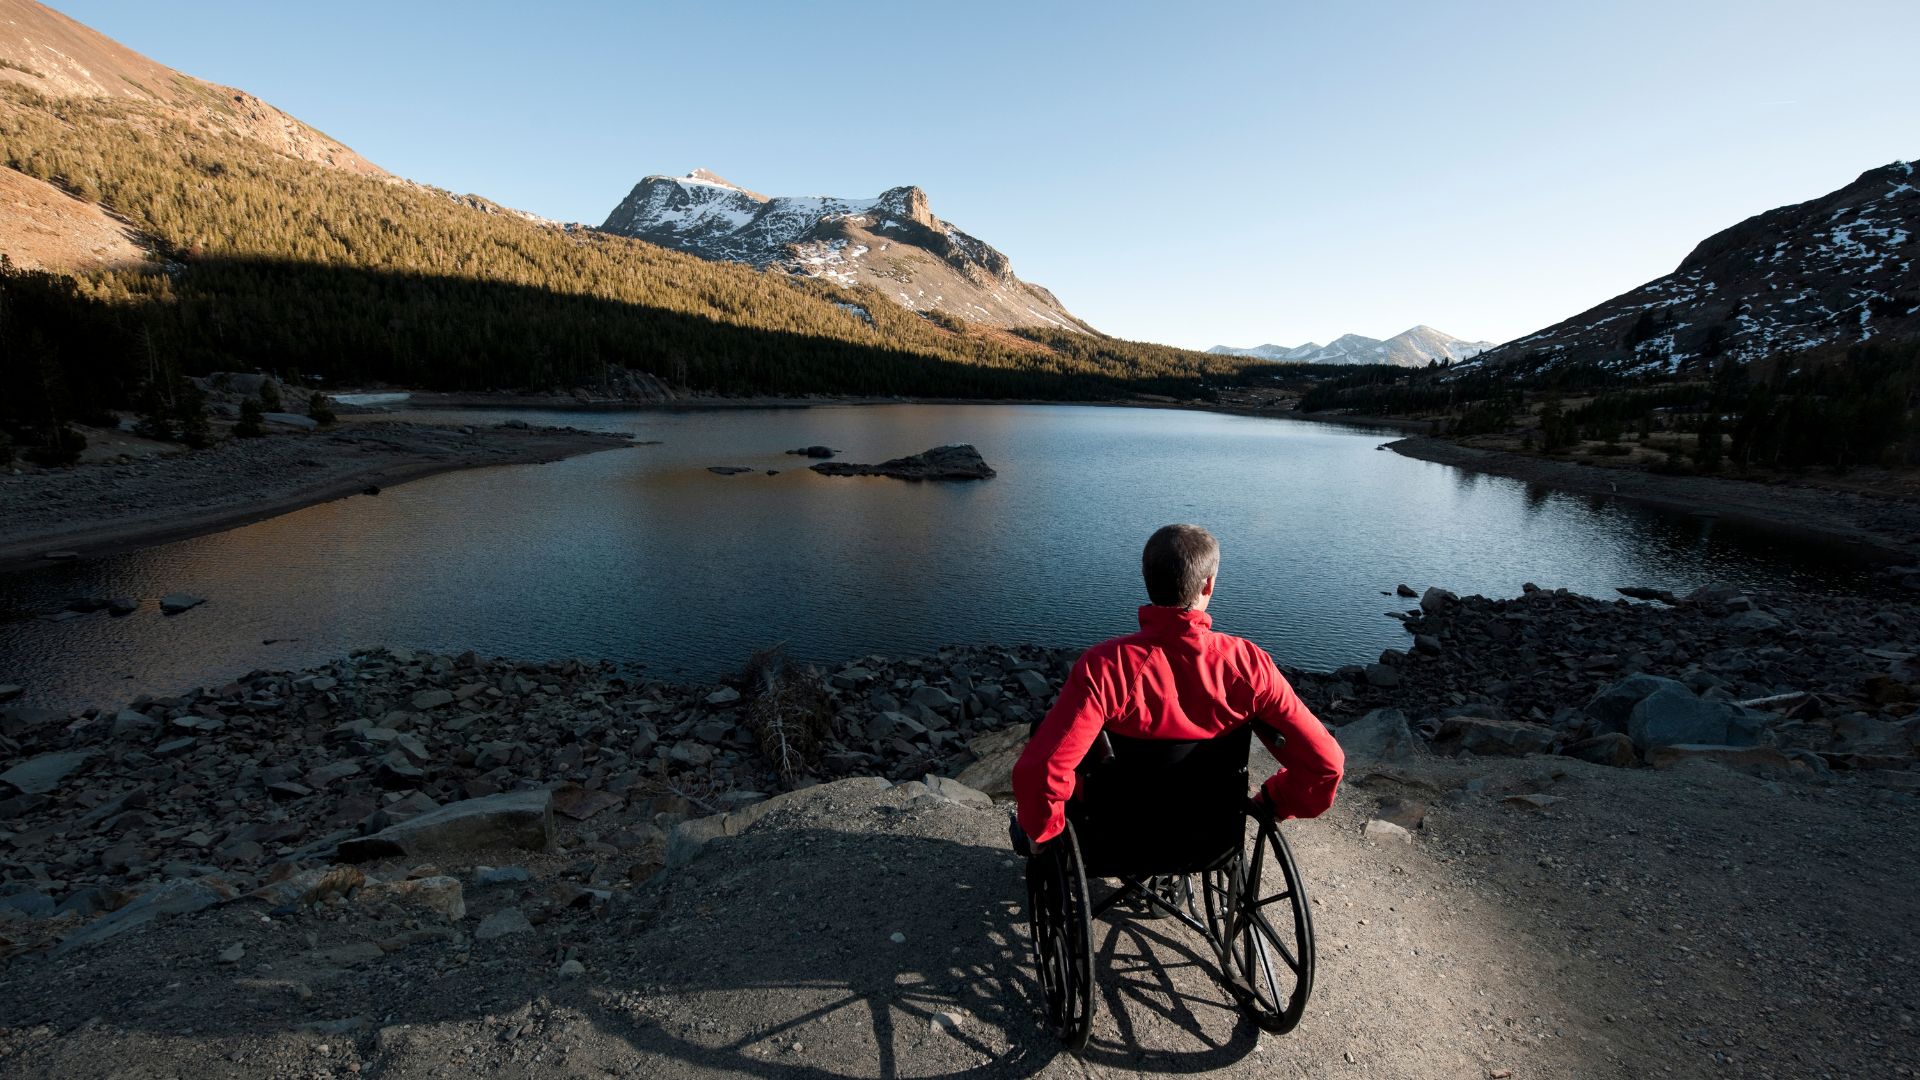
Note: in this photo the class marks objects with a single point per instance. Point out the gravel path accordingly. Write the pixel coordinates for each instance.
(98, 508)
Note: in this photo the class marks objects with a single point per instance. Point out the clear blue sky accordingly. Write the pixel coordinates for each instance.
(1187, 173)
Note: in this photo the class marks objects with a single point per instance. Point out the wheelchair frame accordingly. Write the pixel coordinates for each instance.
(1270, 981)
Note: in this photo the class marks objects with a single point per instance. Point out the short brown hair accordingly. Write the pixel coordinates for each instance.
(1177, 562)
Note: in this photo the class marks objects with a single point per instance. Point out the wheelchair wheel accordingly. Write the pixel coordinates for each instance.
(1262, 934)
(1063, 938)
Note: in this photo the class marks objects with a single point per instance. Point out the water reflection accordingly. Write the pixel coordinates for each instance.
(643, 556)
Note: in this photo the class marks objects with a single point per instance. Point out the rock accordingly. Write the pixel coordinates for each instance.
(1380, 735)
(961, 462)
(1436, 600)
(1492, 738)
(39, 775)
(572, 969)
(691, 754)
(955, 791)
(581, 803)
(29, 902)
(1639, 592)
(931, 697)
(1379, 830)
(499, 875)
(1382, 676)
(309, 887)
(1034, 683)
(502, 923)
(1670, 716)
(1752, 620)
(1611, 707)
(814, 451)
(431, 699)
(994, 753)
(897, 938)
(726, 695)
(949, 1023)
(180, 896)
(175, 603)
(233, 953)
(122, 605)
(1612, 748)
(291, 420)
(519, 819)
(1762, 760)
(728, 470)
(439, 895)
(1409, 814)
(1404, 589)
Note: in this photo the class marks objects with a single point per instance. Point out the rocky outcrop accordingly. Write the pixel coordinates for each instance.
(961, 462)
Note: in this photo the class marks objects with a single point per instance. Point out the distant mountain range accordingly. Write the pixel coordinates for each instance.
(893, 243)
(1831, 272)
(1417, 347)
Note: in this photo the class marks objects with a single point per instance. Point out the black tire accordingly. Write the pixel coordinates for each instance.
(1062, 922)
(1263, 939)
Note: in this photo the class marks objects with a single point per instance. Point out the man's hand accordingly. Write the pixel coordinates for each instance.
(1022, 846)
(1260, 808)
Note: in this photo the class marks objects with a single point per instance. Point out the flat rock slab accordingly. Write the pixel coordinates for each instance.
(1752, 759)
(37, 776)
(517, 819)
(180, 896)
(961, 462)
(175, 603)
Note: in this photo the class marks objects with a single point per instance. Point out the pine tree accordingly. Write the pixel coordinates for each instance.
(190, 411)
(320, 410)
(270, 396)
(249, 425)
(156, 420)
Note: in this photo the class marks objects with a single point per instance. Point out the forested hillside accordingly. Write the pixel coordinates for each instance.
(263, 260)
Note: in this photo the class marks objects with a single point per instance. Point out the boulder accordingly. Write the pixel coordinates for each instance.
(1436, 599)
(728, 470)
(518, 819)
(122, 605)
(1382, 676)
(503, 923)
(1752, 620)
(1034, 683)
(180, 896)
(1670, 716)
(995, 752)
(1492, 738)
(1611, 707)
(1612, 748)
(1380, 735)
(813, 451)
(431, 699)
(438, 895)
(954, 791)
(175, 603)
(961, 462)
(1761, 760)
(1386, 831)
(39, 775)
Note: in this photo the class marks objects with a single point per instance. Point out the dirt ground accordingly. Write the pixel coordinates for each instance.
(1695, 922)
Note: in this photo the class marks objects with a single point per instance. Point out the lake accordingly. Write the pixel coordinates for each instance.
(642, 556)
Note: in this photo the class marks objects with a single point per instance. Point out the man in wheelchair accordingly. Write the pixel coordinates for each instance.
(1139, 772)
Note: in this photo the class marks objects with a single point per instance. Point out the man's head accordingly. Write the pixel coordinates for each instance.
(1180, 564)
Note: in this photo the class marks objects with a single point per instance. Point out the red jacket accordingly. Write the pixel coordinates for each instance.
(1175, 679)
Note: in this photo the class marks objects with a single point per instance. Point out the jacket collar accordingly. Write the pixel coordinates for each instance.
(1171, 622)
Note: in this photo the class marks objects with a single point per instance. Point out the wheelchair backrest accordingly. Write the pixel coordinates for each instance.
(1161, 806)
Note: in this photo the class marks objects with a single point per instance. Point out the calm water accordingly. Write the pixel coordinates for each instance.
(641, 555)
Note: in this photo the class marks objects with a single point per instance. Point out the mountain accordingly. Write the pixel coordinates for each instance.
(893, 243)
(53, 55)
(1417, 347)
(1831, 272)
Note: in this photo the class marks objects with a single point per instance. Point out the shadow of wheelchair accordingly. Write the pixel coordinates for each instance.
(1159, 986)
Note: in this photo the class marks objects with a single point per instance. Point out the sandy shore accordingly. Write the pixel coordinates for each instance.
(1881, 528)
(99, 509)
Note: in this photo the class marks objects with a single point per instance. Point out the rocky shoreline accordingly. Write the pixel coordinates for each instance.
(98, 509)
(1882, 528)
(279, 774)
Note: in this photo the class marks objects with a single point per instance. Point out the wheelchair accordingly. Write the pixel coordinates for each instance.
(1169, 819)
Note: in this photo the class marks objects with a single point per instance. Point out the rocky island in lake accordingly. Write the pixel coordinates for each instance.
(961, 462)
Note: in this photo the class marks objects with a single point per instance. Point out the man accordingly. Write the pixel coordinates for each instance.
(1176, 679)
